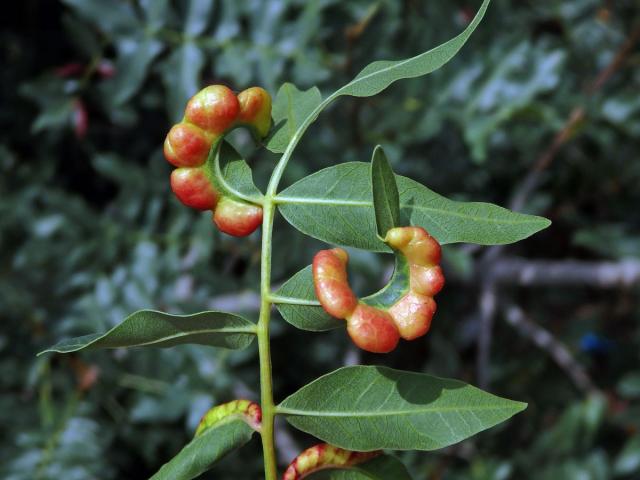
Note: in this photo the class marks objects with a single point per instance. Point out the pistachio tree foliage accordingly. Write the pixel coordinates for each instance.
(95, 234)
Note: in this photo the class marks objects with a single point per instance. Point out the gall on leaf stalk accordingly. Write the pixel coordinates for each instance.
(208, 117)
(402, 309)
(247, 410)
(324, 456)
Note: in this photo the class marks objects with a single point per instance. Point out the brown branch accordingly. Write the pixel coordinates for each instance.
(531, 181)
(557, 350)
(523, 272)
(576, 116)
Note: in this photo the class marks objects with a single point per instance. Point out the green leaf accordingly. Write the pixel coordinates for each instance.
(231, 173)
(384, 467)
(135, 56)
(368, 408)
(377, 76)
(334, 205)
(629, 385)
(199, 455)
(290, 108)
(112, 17)
(197, 17)
(181, 71)
(386, 200)
(297, 303)
(181, 77)
(628, 461)
(149, 328)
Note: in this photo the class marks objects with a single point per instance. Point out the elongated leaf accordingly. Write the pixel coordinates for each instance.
(386, 201)
(290, 108)
(203, 451)
(385, 467)
(369, 408)
(303, 310)
(149, 328)
(377, 76)
(334, 205)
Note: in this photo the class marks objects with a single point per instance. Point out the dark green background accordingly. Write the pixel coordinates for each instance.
(89, 230)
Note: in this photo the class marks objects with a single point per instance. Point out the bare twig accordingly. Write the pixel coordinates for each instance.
(487, 315)
(557, 350)
(531, 182)
(519, 271)
(576, 116)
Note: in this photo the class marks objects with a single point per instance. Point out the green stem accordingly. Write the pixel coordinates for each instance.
(264, 347)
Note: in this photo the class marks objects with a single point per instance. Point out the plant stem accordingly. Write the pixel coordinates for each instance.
(264, 347)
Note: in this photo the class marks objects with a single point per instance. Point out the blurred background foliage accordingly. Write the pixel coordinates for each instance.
(90, 232)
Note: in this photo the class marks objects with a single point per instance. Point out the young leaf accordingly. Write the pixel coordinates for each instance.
(149, 328)
(232, 174)
(386, 201)
(290, 108)
(368, 408)
(297, 303)
(334, 205)
(377, 76)
(199, 455)
(384, 467)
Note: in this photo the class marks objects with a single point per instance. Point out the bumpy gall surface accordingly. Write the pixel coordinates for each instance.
(412, 315)
(209, 115)
(249, 411)
(235, 218)
(331, 282)
(377, 329)
(255, 109)
(193, 188)
(214, 109)
(372, 329)
(324, 456)
(186, 146)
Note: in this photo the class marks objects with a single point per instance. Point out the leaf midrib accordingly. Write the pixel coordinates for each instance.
(247, 330)
(359, 414)
(363, 203)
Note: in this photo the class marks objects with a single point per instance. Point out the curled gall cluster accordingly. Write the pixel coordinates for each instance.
(323, 456)
(249, 411)
(404, 308)
(210, 114)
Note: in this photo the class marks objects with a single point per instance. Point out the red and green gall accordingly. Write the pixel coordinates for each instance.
(209, 115)
(378, 328)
